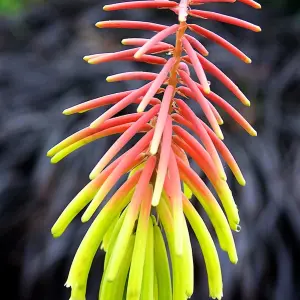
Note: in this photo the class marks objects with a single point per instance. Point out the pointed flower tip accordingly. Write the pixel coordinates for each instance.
(86, 58)
(253, 132)
(54, 233)
(242, 181)
(257, 6)
(109, 79)
(258, 29)
(246, 102)
(50, 153)
(137, 55)
(248, 60)
(207, 90)
(93, 175)
(155, 202)
(153, 150)
(140, 109)
(54, 160)
(223, 176)
(220, 135)
(94, 125)
(67, 112)
(85, 218)
(105, 8)
(233, 258)
(99, 24)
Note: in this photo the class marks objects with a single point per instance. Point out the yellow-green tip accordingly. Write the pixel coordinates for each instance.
(50, 152)
(248, 60)
(219, 134)
(207, 90)
(140, 109)
(98, 24)
(253, 132)
(137, 55)
(257, 6)
(93, 175)
(94, 124)
(241, 181)
(67, 112)
(54, 160)
(246, 102)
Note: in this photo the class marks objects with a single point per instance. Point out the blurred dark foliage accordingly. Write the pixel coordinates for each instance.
(41, 73)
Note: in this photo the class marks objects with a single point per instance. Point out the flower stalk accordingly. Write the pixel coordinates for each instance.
(146, 220)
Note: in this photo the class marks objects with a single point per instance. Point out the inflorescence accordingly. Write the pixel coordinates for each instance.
(145, 222)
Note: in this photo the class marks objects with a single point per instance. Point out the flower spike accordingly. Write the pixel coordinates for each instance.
(222, 42)
(145, 221)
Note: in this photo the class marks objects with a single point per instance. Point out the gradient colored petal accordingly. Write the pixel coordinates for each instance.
(126, 137)
(220, 41)
(188, 262)
(162, 268)
(161, 119)
(163, 162)
(196, 45)
(115, 235)
(223, 18)
(211, 207)
(139, 252)
(115, 289)
(197, 127)
(148, 272)
(104, 133)
(251, 3)
(172, 187)
(131, 76)
(208, 250)
(143, 41)
(203, 103)
(129, 221)
(177, 267)
(155, 85)
(140, 4)
(156, 39)
(216, 72)
(131, 25)
(196, 64)
(109, 182)
(120, 105)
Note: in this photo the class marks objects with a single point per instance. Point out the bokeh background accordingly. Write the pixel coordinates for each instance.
(42, 43)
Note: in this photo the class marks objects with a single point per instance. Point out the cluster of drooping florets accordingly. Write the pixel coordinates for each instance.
(145, 221)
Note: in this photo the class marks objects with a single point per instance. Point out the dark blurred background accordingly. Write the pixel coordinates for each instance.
(42, 43)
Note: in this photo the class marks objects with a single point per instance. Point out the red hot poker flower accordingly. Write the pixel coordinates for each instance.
(155, 198)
